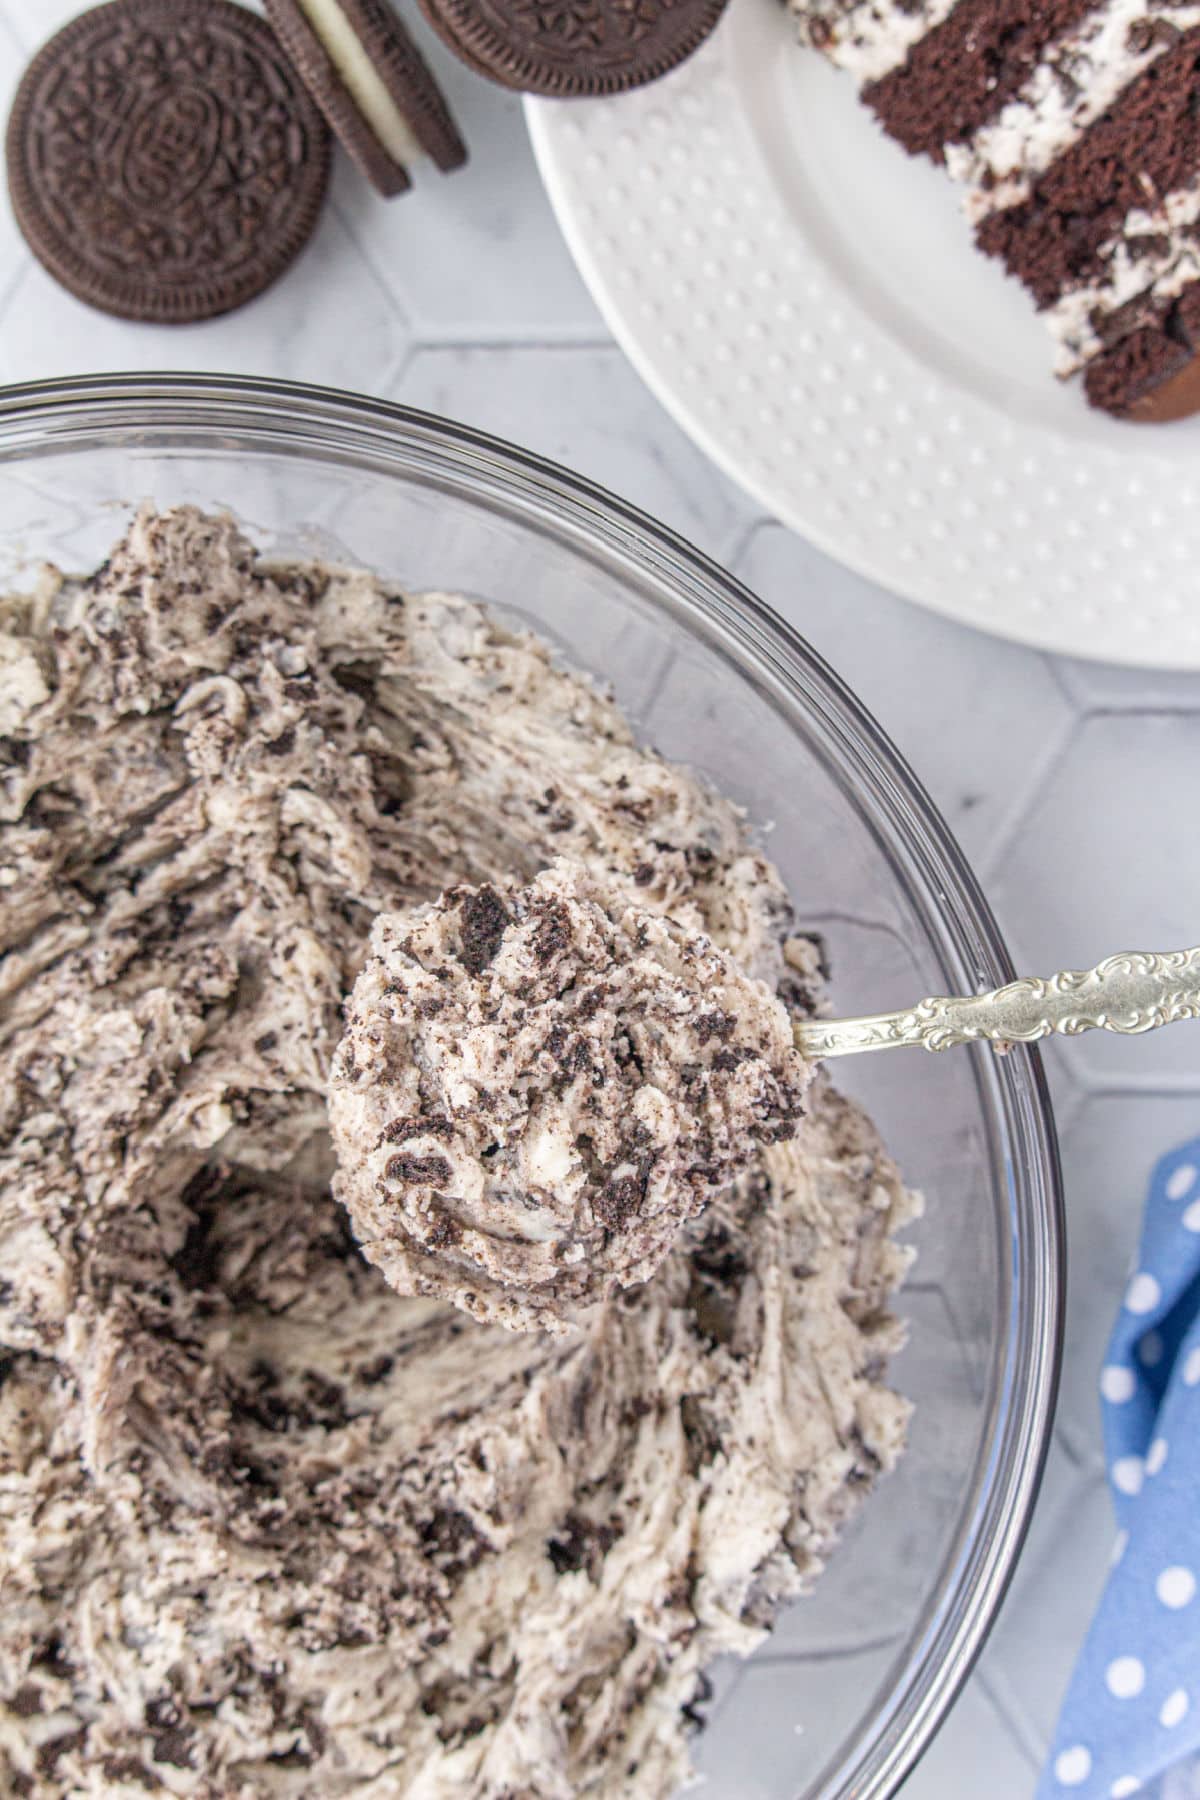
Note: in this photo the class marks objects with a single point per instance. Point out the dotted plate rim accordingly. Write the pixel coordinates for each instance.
(1103, 537)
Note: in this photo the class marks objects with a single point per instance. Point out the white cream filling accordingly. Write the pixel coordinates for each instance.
(362, 80)
(1076, 81)
(869, 40)
(1159, 276)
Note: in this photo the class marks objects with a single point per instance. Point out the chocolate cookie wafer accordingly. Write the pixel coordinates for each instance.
(165, 162)
(586, 47)
(372, 84)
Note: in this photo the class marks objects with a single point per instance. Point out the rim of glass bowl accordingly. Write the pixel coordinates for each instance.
(181, 412)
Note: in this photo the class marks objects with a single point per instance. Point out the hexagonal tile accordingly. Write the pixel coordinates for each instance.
(974, 726)
(475, 255)
(12, 246)
(1032, 1650)
(1066, 1093)
(12, 60)
(587, 409)
(1106, 860)
(33, 21)
(423, 543)
(792, 1707)
(977, 1743)
(714, 725)
(310, 326)
(1108, 1153)
(1105, 686)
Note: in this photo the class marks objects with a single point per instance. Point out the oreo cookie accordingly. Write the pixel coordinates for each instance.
(166, 162)
(372, 84)
(573, 47)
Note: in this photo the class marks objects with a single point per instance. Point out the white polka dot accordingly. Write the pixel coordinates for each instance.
(1156, 1456)
(1191, 1368)
(1143, 1293)
(1125, 1678)
(1123, 1786)
(1191, 1218)
(1127, 1475)
(1150, 1350)
(1180, 1182)
(1117, 1384)
(1176, 1587)
(1073, 1766)
(1173, 1709)
(1120, 1544)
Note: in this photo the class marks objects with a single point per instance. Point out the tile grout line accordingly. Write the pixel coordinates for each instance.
(422, 338)
(1022, 805)
(9, 290)
(1055, 666)
(14, 35)
(1009, 1712)
(550, 339)
(670, 657)
(1156, 1084)
(1081, 1455)
(1086, 710)
(389, 297)
(740, 545)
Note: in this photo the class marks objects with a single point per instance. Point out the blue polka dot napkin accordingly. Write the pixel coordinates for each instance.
(1131, 1720)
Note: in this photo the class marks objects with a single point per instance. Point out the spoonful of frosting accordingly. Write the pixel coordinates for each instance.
(539, 1085)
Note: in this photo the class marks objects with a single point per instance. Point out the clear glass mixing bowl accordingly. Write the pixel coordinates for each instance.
(855, 1678)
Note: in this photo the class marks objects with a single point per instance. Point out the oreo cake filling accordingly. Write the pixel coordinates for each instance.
(267, 1527)
(1072, 130)
(540, 1084)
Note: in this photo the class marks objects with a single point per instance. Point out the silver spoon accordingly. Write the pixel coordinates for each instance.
(1136, 990)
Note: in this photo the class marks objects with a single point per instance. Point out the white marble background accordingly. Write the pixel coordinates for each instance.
(1068, 784)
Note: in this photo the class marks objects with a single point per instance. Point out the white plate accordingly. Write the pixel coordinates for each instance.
(805, 298)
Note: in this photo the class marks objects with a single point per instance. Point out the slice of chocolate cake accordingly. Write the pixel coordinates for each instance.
(1074, 131)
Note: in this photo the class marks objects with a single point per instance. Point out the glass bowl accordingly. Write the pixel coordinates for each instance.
(855, 1678)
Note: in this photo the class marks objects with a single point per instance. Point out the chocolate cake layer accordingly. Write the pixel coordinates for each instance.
(1152, 373)
(1145, 146)
(1116, 379)
(962, 73)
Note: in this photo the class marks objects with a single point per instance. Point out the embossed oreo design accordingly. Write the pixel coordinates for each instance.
(563, 47)
(165, 162)
(170, 147)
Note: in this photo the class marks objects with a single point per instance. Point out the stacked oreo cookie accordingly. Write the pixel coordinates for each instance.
(1073, 127)
(168, 159)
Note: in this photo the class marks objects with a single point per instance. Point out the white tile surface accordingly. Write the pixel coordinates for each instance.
(1072, 786)
(451, 250)
(587, 408)
(1100, 686)
(950, 709)
(33, 21)
(1108, 1150)
(320, 320)
(13, 255)
(1053, 1595)
(1105, 859)
(978, 1755)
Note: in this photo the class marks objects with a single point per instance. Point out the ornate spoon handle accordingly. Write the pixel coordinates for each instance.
(1136, 990)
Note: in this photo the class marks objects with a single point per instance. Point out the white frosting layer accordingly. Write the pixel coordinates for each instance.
(868, 38)
(1159, 275)
(1076, 81)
